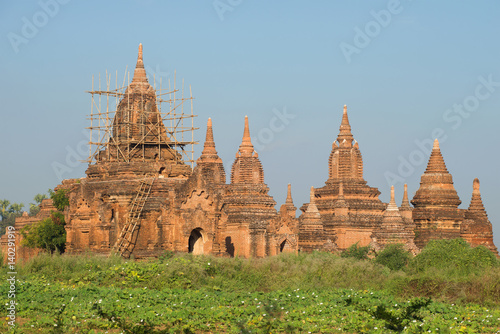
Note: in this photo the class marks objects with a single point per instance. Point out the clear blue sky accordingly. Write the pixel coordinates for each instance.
(404, 69)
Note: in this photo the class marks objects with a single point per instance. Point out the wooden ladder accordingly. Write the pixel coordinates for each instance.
(125, 242)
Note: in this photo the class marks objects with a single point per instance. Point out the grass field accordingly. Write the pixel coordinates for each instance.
(317, 293)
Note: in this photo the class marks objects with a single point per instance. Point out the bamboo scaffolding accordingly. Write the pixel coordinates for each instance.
(102, 122)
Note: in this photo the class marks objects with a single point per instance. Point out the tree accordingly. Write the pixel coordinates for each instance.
(357, 252)
(4, 205)
(35, 207)
(16, 208)
(61, 201)
(46, 234)
(394, 257)
(49, 234)
(453, 257)
(9, 212)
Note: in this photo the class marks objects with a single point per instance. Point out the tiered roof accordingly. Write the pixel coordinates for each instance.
(209, 161)
(476, 228)
(436, 184)
(247, 167)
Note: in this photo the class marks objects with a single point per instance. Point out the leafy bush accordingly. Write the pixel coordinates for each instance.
(453, 257)
(357, 252)
(288, 293)
(48, 234)
(394, 257)
(61, 201)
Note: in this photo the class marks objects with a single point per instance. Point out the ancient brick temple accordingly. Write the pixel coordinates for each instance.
(140, 198)
(350, 209)
(347, 211)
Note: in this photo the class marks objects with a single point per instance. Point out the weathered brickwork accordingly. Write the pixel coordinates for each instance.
(436, 213)
(350, 209)
(347, 211)
(139, 180)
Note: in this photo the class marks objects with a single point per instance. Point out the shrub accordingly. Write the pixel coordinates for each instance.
(357, 252)
(453, 257)
(59, 198)
(394, 257)
(47, 234)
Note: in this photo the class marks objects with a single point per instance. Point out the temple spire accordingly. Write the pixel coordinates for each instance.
(436, 185)
(392, 203)
(340, 205)
(289, 203)
(476, 229)
(246, 147)
(345, 135)
(476, 203)
(139, 72)
(209, 146)
(289, 199)
(405, 203)
(436, 162)
(247, 167)
(312, 208)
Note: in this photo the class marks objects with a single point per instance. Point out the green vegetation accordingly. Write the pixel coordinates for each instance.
(318, 293)
(48, 234)
(59, 198)
(357, 252)
(35, 207)
(394, 257)
(10, 211)
(453, 258)
(8, 214)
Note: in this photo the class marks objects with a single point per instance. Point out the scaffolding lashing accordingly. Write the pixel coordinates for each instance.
(127, 139)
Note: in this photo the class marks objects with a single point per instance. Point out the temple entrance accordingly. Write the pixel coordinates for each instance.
(229, 246)
(195, 243)
(285, 247)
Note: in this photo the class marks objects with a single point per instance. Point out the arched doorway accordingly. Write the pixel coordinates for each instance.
(285, 247)
(229, 246)
(195, 243)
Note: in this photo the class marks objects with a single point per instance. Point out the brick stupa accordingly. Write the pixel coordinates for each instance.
(183, 210)
(476, 228)
(311, 231)
(394, 229)
(249, 207)
(139, 136)
(140, 199)
(352, 215)
(436, 214)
